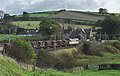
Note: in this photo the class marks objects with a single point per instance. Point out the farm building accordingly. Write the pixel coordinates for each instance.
(81, 34)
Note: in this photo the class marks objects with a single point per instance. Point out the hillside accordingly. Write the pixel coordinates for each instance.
(68, 15)
(74, 19)
(9, 67)
(77, 16)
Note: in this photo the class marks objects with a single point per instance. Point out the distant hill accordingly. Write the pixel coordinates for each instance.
(77, 15)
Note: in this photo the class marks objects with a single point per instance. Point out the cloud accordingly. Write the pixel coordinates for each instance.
(18, 6)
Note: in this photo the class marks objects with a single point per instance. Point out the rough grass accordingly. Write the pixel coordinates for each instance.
(9, 67)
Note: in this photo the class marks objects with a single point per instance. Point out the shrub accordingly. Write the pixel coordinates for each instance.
(21, 50)
(61, 59)
(91, 49)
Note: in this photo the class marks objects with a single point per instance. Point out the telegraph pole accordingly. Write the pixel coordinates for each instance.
(55, 46)
(105, 36)
(9, 36)
(100, 36)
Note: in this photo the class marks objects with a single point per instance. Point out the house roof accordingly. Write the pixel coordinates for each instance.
(76, 33)
(67, 31)
(80, 33)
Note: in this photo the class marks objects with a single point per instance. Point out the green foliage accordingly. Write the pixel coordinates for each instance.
(49, 27)
(103, 11)
(91, 49)
(27, 46)
(25, 16)
(98, 49)
(110, 25)
(21, 50)
(58, 59)
(116, 44)
(9, 67)
(9, 28)
(4, 37)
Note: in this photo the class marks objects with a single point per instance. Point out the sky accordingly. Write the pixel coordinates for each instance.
(18, 6)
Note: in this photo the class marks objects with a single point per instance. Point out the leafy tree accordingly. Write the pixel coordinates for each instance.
(49, 27)
(103, 11)
(110, 26)
(9, 28)
(25, 16)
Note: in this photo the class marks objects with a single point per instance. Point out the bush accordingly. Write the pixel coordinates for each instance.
(21, 50)
(61, 59)
(91, 49)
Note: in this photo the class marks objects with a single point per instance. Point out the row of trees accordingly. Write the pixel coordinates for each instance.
(110, 26)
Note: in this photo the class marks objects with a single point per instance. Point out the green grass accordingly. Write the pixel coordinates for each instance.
(12, 37)
(36, 15)
(76, 26)
(8, 67)
(24, 24)
(35, 24)
(39, 15)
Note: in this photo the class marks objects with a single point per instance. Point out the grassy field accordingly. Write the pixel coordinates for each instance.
(12, 37)
(24, 24)
(37, 15)
(77, 26)
(35, 24)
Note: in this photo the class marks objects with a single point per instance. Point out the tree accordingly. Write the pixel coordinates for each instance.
(103, 10)
(8, 29)
(49, 27)
(25, 16)
(110, 26)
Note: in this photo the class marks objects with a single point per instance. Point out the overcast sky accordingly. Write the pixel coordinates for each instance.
(18, 6)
